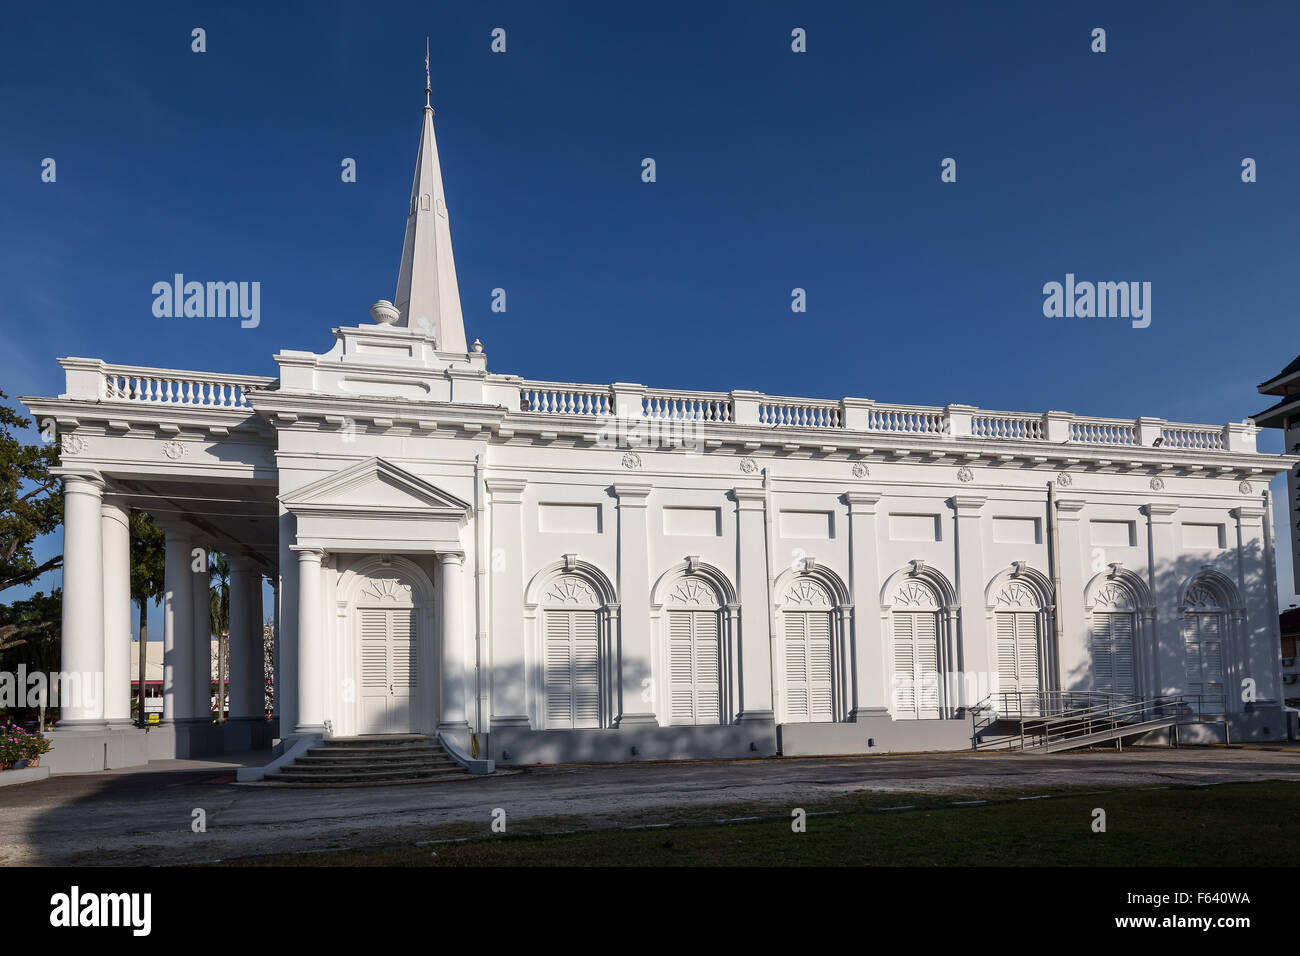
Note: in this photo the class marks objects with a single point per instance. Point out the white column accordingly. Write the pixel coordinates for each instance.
(506, 586)
(83, 603)
(178, 628)
(116, 531)
(634, 654)
(1255, 654)
(311, 645)
(242, 578)
(201, 617)
(451, 640)
(755, 601)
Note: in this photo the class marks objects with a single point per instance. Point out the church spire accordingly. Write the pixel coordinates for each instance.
(427, 294)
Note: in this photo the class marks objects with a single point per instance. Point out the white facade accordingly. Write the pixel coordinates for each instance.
(614, 572)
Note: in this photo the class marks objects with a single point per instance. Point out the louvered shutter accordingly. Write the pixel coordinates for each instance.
(708, 668)
(402, 655)
(818, 628)
(905, 687)
(681, 668)
(1124, 669)
(926, 630)
(374, 649)
(559, 670)
(586, 668)
(1203, 637)
(797, 698)
(1007, 666)
(1113, 658)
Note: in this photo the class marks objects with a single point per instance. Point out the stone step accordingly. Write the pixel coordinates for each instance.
(316, 758)
(359, 776)
(377, 752)
(328, 768)
(371, 761)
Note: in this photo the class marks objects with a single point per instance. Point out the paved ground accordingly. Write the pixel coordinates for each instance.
(144, 816)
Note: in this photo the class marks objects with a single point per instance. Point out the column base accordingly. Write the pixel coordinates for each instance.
(84, 750)
(860, 714)
(628, 721)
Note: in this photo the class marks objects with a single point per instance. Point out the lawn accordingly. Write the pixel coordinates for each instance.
(1252, 824)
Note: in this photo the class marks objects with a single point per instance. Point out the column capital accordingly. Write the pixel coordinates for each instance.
(506, 491)
(451, 558)
(1067, 509)
(1160, 512)
(1248, 514)
(633, 495)
(83, 483)
(862, 502)
(966, 506)
(307, 553)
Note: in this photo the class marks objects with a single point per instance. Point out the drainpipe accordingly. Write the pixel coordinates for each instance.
(1054, 556)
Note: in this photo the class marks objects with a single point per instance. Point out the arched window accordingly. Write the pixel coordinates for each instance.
(695, 618)
(1121, 621)
(809, 652)
(919, 620)
(1210, 612)
(694, 654)
(917, 680)
(571, 632)
(1019, 602)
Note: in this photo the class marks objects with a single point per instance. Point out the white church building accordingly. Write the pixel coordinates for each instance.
(547, 571)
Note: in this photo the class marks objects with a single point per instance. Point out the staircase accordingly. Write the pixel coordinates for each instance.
(380, 760)
(1052, 721)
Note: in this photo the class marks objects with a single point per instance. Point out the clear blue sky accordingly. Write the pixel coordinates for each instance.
(775, 170)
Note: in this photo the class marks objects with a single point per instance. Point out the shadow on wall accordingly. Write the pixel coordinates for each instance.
(1232, 586)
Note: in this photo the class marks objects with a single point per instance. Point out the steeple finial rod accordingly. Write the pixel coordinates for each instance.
(428, 84)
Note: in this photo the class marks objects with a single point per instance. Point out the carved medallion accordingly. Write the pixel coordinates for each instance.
(631, 461)
(748, 465)
(1245, 488)
(73, 444)
(860, 470)
(965, 474)
(1064, 480)
(174, 449)
(1157, 484)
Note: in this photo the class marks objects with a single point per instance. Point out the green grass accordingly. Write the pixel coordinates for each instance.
(1250, 824)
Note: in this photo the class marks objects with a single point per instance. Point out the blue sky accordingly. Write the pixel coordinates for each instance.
(775, 170)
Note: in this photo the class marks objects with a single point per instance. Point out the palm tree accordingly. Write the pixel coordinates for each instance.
(219, 602)
(148, 554)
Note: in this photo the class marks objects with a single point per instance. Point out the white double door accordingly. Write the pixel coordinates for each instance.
(390, 669)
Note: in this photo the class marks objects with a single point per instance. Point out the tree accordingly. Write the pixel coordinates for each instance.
(148, 578)
(31, 506)
(219, 602)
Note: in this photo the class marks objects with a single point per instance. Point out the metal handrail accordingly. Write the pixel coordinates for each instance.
(1056, 721)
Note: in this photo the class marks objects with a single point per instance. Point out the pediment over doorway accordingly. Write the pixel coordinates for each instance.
(375, 506)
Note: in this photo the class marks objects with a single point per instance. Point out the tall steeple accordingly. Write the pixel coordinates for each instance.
(427, 294)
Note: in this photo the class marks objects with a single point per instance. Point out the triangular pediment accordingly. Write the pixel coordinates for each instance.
(374, 485)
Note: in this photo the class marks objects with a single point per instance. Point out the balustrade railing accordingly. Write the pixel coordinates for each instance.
(198, 389)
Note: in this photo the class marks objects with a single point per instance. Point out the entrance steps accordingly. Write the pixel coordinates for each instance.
(380, 760)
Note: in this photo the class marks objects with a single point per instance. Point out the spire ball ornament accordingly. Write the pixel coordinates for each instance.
(384, 312)
(477, 346)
